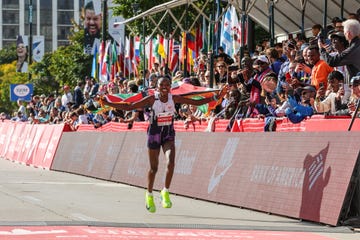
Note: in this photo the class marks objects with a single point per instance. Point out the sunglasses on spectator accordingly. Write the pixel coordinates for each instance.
(221, 66)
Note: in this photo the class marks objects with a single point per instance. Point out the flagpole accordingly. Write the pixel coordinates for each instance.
(144, 54)
(213, 41)
(186, 45)
(103, 33)
(30, 35)
(168, 46)
(104, 17)
(243, 18)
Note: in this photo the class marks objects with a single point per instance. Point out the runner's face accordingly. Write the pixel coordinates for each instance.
(164, 85)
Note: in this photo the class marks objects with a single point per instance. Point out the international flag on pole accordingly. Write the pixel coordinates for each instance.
(174, 64)
(161, 48)
(226, 39)
(236, 30)
(137, 48)
(105, 67)
(94, 69)
(128, 64)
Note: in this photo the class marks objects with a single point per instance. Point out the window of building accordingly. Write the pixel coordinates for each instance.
(11, 17)
(10, 32)
(45, 5)
(63, 32)
(48, 45)
(10, 4)
(66, 4)
(63, 43)
(64, 17)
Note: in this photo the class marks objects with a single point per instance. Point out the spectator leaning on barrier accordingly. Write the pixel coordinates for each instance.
(334, 104)
(22, 108)
(298, 111)
(355, 90)
(351, 55)
(161, 133)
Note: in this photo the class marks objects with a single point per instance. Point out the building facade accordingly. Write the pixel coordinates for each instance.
(50, 18)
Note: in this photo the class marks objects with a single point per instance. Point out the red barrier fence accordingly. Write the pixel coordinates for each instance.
(29, 144)
(304, 175)
(301, 175)
(318, 123)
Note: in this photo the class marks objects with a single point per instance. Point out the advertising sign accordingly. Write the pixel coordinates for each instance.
(21, 91)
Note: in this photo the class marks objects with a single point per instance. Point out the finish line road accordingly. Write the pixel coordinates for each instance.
(37, 204)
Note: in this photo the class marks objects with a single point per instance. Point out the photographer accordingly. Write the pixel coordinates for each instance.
(333, 103)
(351, 55)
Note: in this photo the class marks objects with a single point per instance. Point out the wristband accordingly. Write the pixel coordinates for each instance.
(214, 98)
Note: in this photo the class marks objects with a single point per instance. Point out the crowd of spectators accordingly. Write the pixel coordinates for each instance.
(296, 78)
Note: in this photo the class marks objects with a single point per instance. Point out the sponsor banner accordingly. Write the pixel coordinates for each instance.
(38, 48)
(300, 175)
(88, 153)
(179, 126)
(53, 142)
(135, 170)
(8, 131)
(32, 144)
(94, 233)
(21, 91)
(3, 131)
(28, 146)
(16, 141)
(26, 139)
(318, 123)
(47, 145)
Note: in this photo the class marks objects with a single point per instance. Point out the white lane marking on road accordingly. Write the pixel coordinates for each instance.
(31, 199)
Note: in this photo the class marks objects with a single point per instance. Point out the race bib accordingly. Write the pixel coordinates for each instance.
(164, 119)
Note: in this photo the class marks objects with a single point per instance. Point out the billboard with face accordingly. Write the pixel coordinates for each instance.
(92, 23)
(22, 53)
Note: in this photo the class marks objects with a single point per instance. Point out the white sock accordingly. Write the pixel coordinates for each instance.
(165, 189)
(149, 193)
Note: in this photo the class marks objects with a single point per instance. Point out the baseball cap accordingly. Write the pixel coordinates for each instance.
(308, 88)
(355, 81)
(339, 34)
(261, 58)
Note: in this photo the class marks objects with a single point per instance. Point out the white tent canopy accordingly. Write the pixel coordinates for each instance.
(287, 13)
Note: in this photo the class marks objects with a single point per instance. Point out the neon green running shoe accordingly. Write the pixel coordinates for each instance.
(165, 199)
(149, 203)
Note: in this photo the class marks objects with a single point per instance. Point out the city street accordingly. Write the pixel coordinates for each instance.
(43, 204)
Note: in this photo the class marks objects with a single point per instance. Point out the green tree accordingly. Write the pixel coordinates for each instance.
(65, 66)
(8, 54)
(8, 75)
